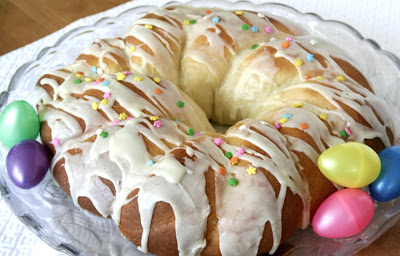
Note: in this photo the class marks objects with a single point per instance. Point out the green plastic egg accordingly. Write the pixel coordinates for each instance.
(351, 164)
(18, 122)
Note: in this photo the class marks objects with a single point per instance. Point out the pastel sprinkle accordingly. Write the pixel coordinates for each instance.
(186, 22)
(55, 142)
(99, 71)
(77, 81)
(322, 116)
(180, 104)
(148, 26)
(123, 116)
(269, 30)
(260, 15)
(197, 134)
(310, 57)
(221, 170)
(107, 95)
(138, 78)
(218, 141)
(79, 74)
(298, 62)
(254, 28)
(234, 160)
(129, 118)
(216, 19)
(240, 152)
(120, 76)
(88, 79)
(157, 91)
(320, 77)
(251, 170)
(104, 134)
(282, 120)
(158, 124)
(127, 72)
(94, 69)
(254, 46)
(289, 39)
(285, 44)
(340, 78)
(208, 11)
(105, 83)
(132, 49)
(303, 126)
(307, 77)
(154, 118)
(343, 133)
(116, 122)
(95, 105)
(233, 182)
(348, 131)
(228, 155)
(287, 116)
(239, 12)
(157, 80)
(190, 131)
(277, 125)
(150, 162)
(245, 27)
(192, 21)
(103, 101)
(313, 42)
(297, 105)
(177, 120)
(95, 83)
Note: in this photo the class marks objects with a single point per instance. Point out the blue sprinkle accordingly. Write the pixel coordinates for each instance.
(216, 19)
(94, 69)
(177, 120)
(105, 83)
(150, 162)
(310, 57)
(287, 116)
(254, 29)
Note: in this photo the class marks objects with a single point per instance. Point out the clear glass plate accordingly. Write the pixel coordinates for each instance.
(49, 212)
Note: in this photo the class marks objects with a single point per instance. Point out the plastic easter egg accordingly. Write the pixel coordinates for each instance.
(27, 163)
(351, 164)
(387, 186)
(18, 122)
(343, 214)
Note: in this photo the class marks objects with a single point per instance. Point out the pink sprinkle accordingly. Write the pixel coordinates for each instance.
(56, 142)
(107, 95)
(157, 123)
(127, 72)
(129, 118)
(116, 122)
(218, 141)
(269, 30)
(95, 83)
(277, 125)
(289, 39)
(197, 134)
(240, 152)
(348, 131)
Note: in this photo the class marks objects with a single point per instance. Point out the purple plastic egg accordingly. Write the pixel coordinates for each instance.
(27, 163)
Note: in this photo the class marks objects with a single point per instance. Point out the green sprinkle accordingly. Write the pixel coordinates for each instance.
(254, 46)
(190, 132)
(77, 81)
(228, 155)
(180, 104)
(233, 182)
(343, 133)
(245, 27)
(104, 134)
(192, 21)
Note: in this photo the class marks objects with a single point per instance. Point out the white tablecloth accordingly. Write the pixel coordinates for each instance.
(378, 20)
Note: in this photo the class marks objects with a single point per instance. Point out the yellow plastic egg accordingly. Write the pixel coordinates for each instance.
(351, 164)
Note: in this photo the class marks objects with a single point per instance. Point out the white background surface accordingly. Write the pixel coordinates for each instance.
(378, 20)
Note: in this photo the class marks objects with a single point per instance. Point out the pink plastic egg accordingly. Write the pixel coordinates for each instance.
(345, 213)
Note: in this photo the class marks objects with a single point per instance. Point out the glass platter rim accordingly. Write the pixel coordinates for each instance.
(14, 80)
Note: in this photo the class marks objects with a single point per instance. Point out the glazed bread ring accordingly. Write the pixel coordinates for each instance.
(128, 126)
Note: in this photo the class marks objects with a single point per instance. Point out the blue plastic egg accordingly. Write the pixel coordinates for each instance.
(387, 186)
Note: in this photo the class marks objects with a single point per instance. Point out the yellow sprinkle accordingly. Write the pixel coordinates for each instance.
(322, 116)
(78, 75)
(154, 118)
(148, 26)
(88, 79)
(95, 105)
(297, 105)
(298, 62)
(123, 116)
(320, 77)
(283, 120)
(138, 78)
(238, 12)
(132, 49)
(120, 76)
(186, 22)
(251, 170)
(156, 79)
(340, 78)
(103, 101)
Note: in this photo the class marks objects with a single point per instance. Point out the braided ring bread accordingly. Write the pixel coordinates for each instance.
(128, 128)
